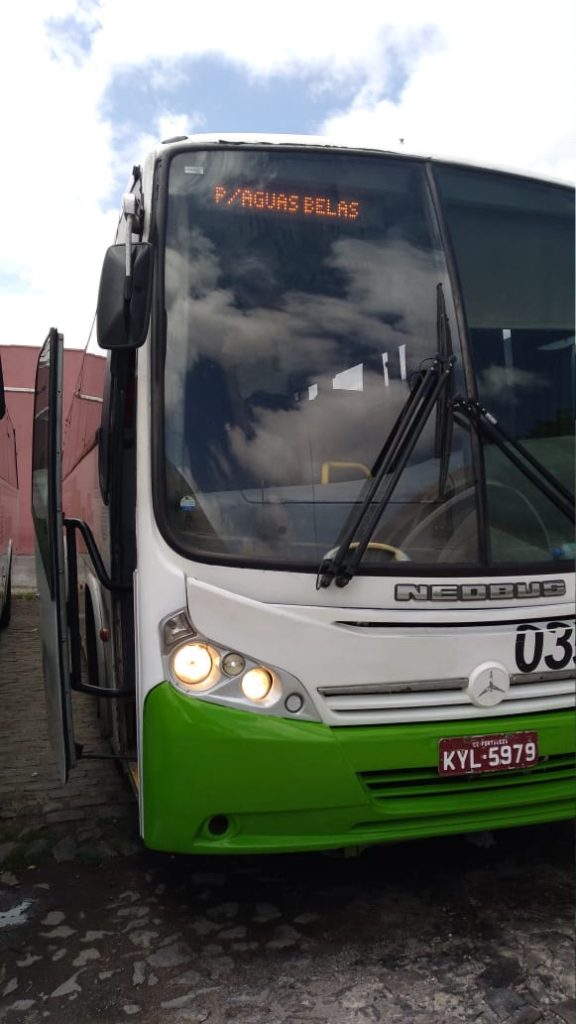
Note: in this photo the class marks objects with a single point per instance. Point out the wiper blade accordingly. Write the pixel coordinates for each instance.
(466, 412)
(444, 420)
(342, 563)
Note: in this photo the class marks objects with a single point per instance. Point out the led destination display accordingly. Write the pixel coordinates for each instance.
(290, 203)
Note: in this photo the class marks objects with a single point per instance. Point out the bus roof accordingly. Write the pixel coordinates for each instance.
(319, 141)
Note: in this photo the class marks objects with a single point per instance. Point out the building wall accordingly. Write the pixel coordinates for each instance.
(19, 367)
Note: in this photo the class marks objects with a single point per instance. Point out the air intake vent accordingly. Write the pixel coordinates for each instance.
(425, 782)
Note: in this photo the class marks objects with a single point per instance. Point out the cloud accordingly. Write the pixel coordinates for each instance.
(497, 88)
(167, 125)
(263, 41)
(493, 83)
(53, 181)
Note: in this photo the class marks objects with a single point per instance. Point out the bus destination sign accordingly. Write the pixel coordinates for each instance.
(289, 203)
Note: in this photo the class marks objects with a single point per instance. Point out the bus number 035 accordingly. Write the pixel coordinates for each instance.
(531, 642)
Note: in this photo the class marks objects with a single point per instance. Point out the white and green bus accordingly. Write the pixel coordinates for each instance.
(319, 519)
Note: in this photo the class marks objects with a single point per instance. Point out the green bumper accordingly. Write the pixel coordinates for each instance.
(215, 780)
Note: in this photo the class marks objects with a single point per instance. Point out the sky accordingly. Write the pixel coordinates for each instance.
(88, 86)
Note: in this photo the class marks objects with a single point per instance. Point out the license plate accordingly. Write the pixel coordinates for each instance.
(473, 755)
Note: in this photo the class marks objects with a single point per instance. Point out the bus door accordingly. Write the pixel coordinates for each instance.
(50, 567)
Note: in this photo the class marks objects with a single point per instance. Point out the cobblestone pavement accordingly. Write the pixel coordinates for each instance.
(31, 796)
(95, 930)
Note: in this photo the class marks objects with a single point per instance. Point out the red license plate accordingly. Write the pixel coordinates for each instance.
(472, 755)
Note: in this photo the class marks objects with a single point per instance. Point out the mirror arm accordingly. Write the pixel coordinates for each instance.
(130, 212)
(132, 208)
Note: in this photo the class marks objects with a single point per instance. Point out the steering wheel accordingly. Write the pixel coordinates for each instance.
(509, 494)
(399, 555)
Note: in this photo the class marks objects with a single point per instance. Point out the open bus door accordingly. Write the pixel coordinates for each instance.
(50, 567)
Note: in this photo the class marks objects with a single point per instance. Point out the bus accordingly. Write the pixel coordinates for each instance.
(8, 505)
(310, 542)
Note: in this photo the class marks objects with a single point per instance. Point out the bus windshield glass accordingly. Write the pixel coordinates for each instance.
(514, 243)
(300, 293)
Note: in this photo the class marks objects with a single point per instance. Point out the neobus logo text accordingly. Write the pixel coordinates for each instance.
(479, 591)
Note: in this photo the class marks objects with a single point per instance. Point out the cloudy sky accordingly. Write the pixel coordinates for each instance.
(88, 85)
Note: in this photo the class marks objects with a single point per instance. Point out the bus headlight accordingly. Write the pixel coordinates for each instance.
(192, 664)
(204, 669)
(257, 684)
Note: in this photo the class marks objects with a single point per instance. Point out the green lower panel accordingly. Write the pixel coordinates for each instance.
(216, 780)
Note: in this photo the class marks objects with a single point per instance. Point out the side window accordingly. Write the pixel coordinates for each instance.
(46, 451)
(514, 246)
(515, 251)
(84, 417)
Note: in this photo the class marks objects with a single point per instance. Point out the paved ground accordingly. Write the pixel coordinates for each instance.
(95, 929)
(34, 806)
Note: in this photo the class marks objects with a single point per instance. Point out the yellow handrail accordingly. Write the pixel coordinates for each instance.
(326, 466)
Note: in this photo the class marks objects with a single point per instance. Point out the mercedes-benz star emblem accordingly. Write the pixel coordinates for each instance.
(488, 684)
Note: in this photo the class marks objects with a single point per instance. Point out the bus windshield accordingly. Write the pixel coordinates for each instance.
(513, 240)
(300, 292)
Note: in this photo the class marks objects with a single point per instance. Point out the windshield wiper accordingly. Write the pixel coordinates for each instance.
(466, 412)
(341, 563)
(444, 419)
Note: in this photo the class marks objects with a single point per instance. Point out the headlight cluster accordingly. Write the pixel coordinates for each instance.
(200, 666)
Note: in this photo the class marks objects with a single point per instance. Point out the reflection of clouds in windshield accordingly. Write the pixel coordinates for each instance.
(291, 445)
(388, 290)
(292, 340)
(391, 279)
(499, 383)
(194, 274)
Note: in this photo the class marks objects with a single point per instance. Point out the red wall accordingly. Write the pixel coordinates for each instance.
(19, 367)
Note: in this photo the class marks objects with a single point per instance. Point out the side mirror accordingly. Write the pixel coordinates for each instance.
(122, 315)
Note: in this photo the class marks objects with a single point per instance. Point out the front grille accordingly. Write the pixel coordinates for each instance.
(426, 700)
(425, 782)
